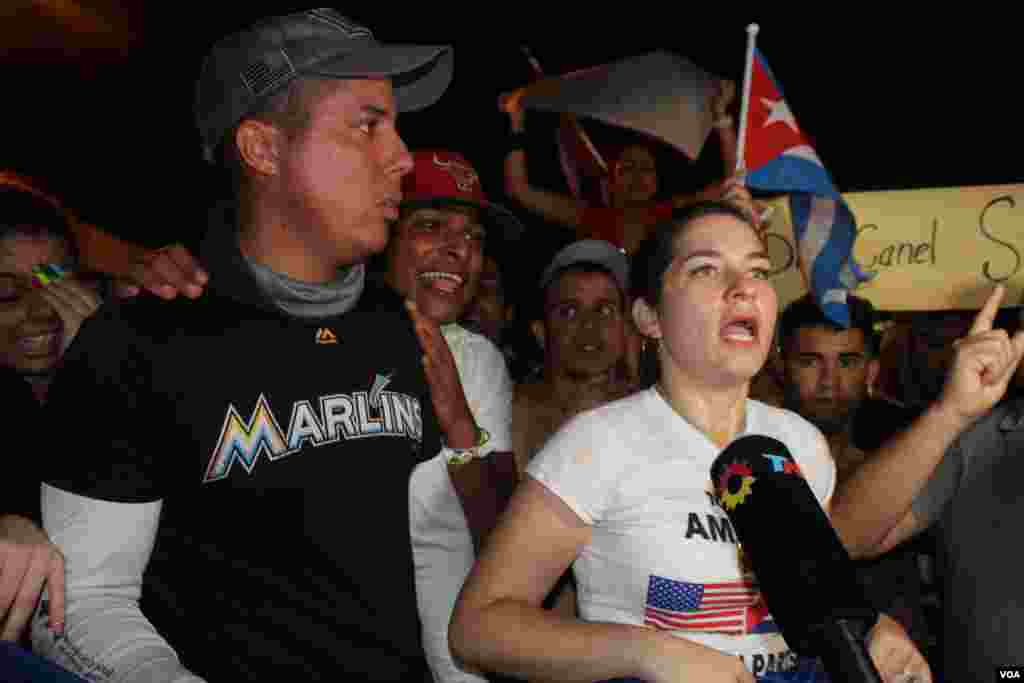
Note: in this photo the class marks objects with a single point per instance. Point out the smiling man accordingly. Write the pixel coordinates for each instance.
(434, 260)
(436, 255)
(237, 507)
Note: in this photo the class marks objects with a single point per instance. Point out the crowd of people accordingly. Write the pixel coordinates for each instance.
(315, 447)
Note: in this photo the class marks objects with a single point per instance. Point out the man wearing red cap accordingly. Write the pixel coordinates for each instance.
(433, 264)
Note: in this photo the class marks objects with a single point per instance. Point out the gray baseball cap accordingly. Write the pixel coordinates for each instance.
(601, 252)
(245, 68)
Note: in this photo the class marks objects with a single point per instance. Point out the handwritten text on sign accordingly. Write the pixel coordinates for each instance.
(929, 249)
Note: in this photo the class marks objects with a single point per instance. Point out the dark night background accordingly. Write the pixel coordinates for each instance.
(97, 94)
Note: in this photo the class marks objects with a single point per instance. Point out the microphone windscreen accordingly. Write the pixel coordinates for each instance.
(803, 571)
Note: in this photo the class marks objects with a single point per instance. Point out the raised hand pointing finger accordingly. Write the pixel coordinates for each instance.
(987, 315)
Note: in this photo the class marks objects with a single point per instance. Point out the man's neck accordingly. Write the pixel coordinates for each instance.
(267, 236)
(571, 390)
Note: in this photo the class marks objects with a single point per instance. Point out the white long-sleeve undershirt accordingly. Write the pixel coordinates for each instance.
(106, 547)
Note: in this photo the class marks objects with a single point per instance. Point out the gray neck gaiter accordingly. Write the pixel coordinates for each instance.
(310, 299)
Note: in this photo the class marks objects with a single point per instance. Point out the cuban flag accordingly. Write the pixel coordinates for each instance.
(779, 158)
(582, 164)
(760, 620)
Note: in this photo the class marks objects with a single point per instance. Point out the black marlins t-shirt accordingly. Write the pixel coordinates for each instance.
(281, 449)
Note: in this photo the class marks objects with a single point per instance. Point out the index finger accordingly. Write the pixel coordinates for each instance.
(983, 321)
(55, 590)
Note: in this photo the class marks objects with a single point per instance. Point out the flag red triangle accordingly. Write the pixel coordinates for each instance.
(770, 124)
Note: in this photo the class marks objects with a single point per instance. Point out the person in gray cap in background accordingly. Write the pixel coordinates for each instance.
(241, 462)
(583, 328)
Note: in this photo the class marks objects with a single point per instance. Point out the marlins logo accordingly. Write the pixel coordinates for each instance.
(328, 419)
(379, 383)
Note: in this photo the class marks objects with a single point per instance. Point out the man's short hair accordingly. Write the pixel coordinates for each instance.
(805, 312)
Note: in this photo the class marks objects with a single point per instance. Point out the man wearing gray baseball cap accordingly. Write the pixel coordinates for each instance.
(582, 326)
(242, 462)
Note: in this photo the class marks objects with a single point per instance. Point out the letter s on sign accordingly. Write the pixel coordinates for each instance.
(983, 227)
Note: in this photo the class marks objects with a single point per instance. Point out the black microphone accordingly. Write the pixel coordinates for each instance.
(803, 571)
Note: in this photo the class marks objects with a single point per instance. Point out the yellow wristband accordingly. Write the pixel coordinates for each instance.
(460, 456)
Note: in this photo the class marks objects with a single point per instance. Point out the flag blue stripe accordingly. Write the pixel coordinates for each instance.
(827, 269)
(792, 174)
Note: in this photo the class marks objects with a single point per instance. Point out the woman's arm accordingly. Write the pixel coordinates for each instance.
(500, 625)
(552, 206)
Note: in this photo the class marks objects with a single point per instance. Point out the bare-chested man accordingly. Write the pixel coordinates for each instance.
(584, 330)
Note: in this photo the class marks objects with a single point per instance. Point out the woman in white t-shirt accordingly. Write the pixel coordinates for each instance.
(622, 494)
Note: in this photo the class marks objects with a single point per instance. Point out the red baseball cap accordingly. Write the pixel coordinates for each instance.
(442, 177)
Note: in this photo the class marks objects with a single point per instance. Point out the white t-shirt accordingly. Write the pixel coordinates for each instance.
(441, 541)
(662, 552)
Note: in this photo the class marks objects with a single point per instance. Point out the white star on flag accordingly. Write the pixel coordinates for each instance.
(779, 112)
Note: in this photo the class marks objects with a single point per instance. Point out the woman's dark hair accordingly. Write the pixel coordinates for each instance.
(657, 251)
(655, 256)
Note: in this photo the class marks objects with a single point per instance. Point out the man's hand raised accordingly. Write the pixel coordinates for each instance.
(983, 365)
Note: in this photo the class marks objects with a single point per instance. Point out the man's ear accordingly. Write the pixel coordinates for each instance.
(537, 330)
(646, 319)
(259, 146)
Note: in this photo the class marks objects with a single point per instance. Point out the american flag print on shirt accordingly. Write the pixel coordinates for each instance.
(730, 607)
